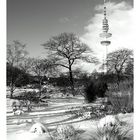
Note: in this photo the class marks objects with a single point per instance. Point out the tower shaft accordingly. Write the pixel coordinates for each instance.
(105, 34)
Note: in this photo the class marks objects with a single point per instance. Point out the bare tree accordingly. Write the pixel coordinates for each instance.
(117, 61)
(41, 67)
(67, 49)
(15, 54)
(26, 65)
(130, 67)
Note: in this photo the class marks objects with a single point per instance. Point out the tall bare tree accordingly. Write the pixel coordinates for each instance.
(117, 61)
(67, 49)
(15, 55)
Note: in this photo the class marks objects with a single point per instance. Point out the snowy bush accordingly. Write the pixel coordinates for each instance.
(18, 112)
(120, 97)
(16, 104)
(111, 133)
(17, 107)
(96, 88)
(82, 113)
(64, 132)
(108, 121)
(109, 128)
(38, 128)
(89, 112)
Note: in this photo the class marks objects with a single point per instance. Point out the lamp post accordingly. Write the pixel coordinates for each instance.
(105, 35)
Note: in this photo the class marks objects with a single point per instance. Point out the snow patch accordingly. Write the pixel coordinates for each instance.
(108, 121)
(38, 128)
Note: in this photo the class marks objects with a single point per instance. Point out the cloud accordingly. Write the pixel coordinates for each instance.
(64, 20)
(120, 17)
(113, 7)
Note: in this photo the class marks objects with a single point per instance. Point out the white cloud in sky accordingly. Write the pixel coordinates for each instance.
(120, 18)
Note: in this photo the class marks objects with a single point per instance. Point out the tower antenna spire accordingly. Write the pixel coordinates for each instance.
(105, 28)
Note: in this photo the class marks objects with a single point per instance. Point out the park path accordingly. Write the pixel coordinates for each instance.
(51, 115)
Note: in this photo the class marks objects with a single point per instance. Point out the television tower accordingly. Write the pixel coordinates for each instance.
(105, 35)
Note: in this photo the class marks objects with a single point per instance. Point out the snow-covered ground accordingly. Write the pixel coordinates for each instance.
(18, 126)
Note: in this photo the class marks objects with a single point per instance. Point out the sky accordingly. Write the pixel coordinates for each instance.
(33, 22)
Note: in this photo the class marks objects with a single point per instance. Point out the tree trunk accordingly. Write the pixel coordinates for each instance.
(118, 78)
(11, 94)
(12, 82)
(29, 107)
(71, 81)
(40, 86)
(11, 90)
